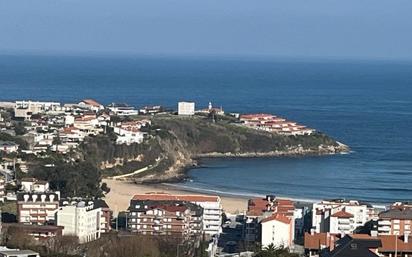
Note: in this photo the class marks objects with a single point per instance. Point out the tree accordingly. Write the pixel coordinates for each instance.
(272, 251)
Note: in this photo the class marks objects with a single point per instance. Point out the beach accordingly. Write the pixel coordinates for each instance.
(122, 191)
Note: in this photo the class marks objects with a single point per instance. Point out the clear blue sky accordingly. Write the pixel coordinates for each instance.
(302, 28)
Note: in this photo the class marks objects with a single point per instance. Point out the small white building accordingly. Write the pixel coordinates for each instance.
(128, 136)
(81, 220)
(186, 108)
(277, 230)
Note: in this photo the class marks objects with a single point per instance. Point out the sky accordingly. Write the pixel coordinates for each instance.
(365, 29)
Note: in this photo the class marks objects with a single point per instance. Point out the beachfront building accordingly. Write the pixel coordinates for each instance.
(178, 218)
(277, 230)
(81, 219)
(397, 220)
(340, 216)
(186, 108)
(212, 208)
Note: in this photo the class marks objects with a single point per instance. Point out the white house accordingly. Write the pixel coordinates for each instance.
(81, 220)
(128, 136)
(277, 230)
(186, 108)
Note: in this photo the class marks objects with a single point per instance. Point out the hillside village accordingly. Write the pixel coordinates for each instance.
(52, 195)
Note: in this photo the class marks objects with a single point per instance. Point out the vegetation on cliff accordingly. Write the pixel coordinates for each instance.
(173, 144)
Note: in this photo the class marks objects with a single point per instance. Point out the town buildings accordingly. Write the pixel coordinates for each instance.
(340, 216)
(271, 221)
(186, 108)
(178, 218)
(274, 124)
(25, 109)
(81, 219)
(397, 220)
(212, 207)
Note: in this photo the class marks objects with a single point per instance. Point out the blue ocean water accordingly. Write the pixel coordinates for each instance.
(365, 104)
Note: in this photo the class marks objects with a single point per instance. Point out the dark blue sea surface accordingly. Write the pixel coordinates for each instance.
(365, 104)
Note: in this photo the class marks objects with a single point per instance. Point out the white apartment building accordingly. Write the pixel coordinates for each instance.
(186, 108)
(339, 216)
(212, 208)
(277, 230)
(81, 220)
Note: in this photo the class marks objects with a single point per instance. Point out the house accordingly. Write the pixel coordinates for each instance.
(80, 219)
(277, 230)
(91, 105)
(128, 135)
(178, 218)
(212, 208)
(8, 147)
(186, 108)
(34, 185)
(395, 221)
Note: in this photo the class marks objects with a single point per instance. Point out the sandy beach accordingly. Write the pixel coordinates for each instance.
(121, 192)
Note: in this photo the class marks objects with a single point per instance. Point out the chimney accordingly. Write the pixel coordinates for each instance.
(406, 237)
(312, 231)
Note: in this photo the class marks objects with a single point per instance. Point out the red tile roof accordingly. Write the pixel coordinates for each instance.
(278, 217)
(169, 197)
(91, 102)
(315, 241)
(390, 242)
(343, 214)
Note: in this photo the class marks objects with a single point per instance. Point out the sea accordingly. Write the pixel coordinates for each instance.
(366, 104)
